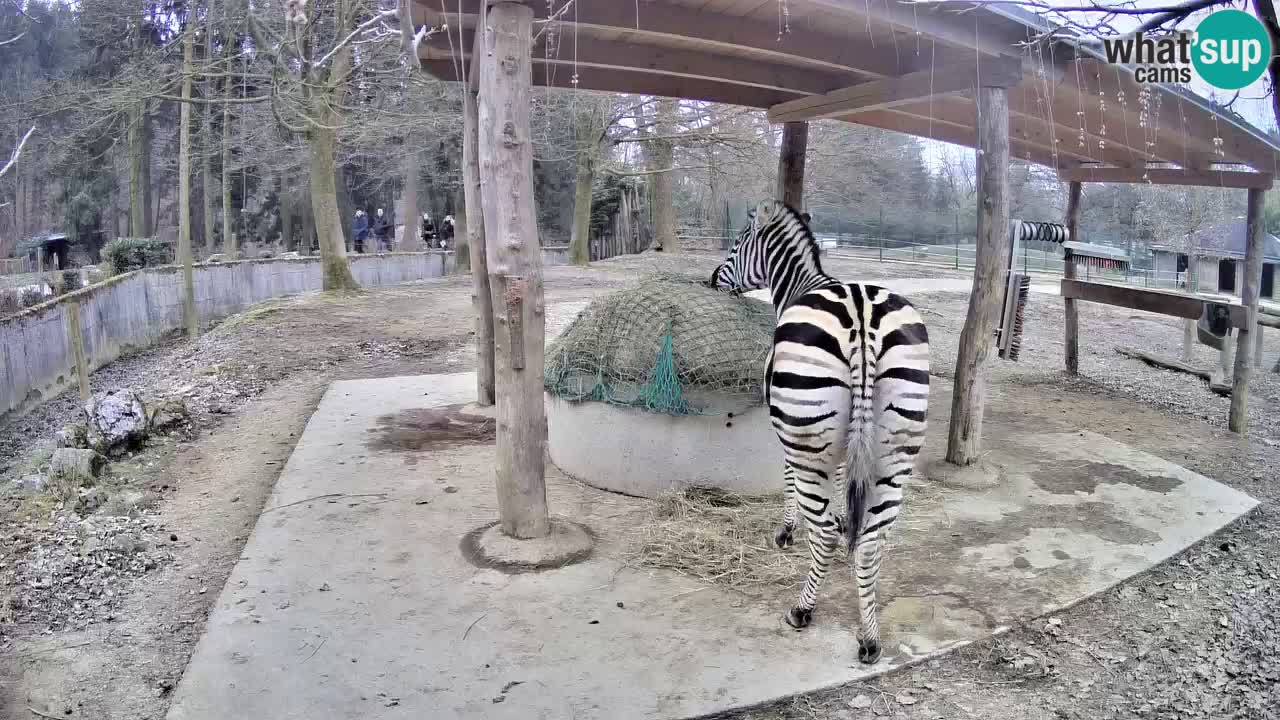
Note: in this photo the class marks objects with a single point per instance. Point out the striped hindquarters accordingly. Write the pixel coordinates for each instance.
(890, 405)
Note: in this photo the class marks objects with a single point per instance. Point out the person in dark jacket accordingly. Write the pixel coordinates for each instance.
(382, 230)
(446, 231)
(428, 231)
(359, 230)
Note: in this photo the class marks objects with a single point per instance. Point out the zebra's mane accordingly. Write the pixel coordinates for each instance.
(806, 239)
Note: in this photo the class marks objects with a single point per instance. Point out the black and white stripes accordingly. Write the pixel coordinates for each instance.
(847, 383)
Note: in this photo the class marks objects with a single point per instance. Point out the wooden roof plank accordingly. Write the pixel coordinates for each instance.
(635, 82)
(961, 134)
(902, 90)
(656, 20)
(1170, 176)
(593, 52)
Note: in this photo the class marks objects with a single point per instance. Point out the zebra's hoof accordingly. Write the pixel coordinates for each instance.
(868, 652)
(782, 537)
(798, 617)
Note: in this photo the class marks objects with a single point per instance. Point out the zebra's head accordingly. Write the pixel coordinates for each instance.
(747, 267)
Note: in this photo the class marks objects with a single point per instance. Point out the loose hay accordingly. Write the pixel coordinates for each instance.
(719, 537)
(727, 539)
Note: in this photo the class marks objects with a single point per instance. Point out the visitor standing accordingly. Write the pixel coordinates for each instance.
(382, 231)
(359, 230)
(446, 231)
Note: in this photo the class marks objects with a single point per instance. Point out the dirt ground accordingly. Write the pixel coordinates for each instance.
(1197, 637)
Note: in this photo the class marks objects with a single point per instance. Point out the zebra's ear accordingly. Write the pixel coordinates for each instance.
(805, 217)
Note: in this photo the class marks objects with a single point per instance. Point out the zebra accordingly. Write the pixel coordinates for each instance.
(847, 384)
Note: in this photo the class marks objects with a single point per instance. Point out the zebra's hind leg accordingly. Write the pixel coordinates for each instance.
(814, 500)
(782, 537)
(867, 569)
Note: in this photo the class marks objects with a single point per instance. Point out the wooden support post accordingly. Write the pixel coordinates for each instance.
(964, 436)
(795, 142)
(1071, 325)
(1238, 420)
(481, 300)
(1257, 346)
(515, 267)
(75, 336)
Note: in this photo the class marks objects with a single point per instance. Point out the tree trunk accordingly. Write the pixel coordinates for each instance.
(1192, 286)
(229, 248)
(964, 435)
(149, 206)
(189, 317)
(206, 140)
(587, 129)
(229, 245)
(795, 142)
(461, 247)
(288, 238)
(662, 158)
(1238, 420)
(1071, 326)
(515, 269)
(410, 215)
(324, 208)
(138, 225)
(481, 301)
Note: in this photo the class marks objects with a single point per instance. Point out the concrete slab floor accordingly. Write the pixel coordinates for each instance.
(353, 600)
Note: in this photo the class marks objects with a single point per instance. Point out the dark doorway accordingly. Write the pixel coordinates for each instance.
(1268, 281)
(1227, 276)
(1182, 263)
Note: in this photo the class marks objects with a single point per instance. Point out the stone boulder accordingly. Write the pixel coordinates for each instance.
(216, 258)
(75, 435)
(117, 421)
(166, 414)
(76, 467)
(35, 482)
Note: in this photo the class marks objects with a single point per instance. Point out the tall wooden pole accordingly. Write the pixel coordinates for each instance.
(481, 301)
(1071, 326)
(1238, 420)
(189, 317)
(964, 436)
(75, 336)
(795, 141)
(515, 266)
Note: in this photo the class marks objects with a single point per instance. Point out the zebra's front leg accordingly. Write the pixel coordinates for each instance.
(867, 562)
(783, 536)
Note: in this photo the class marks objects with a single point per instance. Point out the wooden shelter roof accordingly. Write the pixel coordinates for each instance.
(909, 67)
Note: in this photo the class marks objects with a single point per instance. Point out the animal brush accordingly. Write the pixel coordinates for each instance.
(1009, 333)
(1014, 346)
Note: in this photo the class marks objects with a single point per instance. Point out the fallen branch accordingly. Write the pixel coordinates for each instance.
(13, 159)
(1223, 389)
(43, 715)
(473, 624)
(13, 39)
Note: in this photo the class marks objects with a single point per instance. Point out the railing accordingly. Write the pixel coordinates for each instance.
(958, 255)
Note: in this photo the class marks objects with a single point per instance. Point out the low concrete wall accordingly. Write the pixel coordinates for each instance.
(647, 454)
(555, 255)
(134, 310)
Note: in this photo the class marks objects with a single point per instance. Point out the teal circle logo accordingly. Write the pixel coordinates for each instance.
(1232, 49)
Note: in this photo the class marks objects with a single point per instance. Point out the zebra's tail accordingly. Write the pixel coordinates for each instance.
(858, 475)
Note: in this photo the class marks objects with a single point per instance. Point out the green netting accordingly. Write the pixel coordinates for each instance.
(667, 344)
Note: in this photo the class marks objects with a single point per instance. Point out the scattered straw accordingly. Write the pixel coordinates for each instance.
(727, 539)
(720, 537)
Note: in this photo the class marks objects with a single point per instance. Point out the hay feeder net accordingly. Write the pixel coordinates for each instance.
(668, 344)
